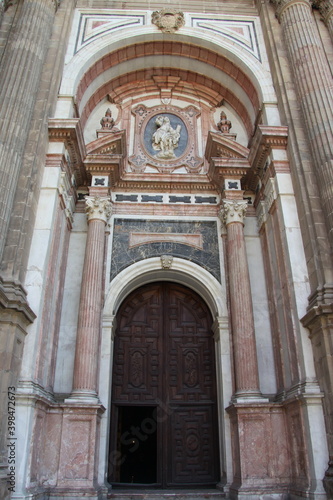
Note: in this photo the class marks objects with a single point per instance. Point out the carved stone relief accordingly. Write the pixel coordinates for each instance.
(166, 139)
(168, 20)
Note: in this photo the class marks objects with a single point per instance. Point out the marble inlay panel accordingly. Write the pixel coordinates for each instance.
(194, 240)
(135, 240)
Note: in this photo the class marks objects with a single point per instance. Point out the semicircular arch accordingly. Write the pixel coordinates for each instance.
(182, 271)
(98, 55)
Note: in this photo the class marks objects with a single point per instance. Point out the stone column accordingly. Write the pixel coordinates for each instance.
(245, 356)
(314, 86)
(326, 9)
(89, 322)
(19, 80)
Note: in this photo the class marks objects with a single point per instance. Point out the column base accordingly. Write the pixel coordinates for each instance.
(83, 397)
(248, 397)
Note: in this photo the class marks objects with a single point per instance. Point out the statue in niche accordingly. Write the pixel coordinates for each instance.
(224, 125)
(107, 121)
(166, 138)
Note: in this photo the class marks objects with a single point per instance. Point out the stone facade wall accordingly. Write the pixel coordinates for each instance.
(241, 215)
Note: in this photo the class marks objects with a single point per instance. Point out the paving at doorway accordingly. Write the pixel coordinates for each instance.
(210, 494)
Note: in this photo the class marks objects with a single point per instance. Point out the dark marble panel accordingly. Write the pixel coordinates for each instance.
(123, 256)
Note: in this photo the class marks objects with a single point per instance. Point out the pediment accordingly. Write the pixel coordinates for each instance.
(108, 143)
(221, 146)
(105, 155)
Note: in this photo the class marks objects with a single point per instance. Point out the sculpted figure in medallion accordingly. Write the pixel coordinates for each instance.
(166, 138)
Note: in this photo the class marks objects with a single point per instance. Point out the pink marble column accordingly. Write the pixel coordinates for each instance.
(88, 331)
(326, 9)
(314, 85)
(245, 356)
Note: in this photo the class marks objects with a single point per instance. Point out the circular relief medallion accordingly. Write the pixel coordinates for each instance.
(165, 137)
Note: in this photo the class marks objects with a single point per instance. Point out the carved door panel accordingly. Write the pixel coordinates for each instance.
(164, 359)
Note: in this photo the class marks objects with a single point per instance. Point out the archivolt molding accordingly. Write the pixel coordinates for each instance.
(182, 271)
(79, 64)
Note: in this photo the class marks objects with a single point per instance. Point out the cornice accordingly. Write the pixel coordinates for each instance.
(265, 139)
(13, 298)
(69, 132)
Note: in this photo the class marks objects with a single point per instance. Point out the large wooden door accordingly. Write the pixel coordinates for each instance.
(164, 415)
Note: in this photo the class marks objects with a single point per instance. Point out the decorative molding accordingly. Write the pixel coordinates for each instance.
(98, 208)
(14, 298)
(265, 139)
(240, 32)
(137, 239)
(166, 261)
(68, 200)
(93, 25)
(233, 211)
(168, 20)
(270, 193)
(261, 213)
(69, 132)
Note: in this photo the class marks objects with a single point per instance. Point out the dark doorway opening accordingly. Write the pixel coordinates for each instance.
(137, 444)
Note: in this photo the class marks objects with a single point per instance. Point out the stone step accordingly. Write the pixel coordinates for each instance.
(203, 494)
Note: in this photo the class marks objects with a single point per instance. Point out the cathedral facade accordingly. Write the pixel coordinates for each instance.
(166, 280)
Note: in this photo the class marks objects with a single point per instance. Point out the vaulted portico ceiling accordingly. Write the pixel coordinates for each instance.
(116, 72)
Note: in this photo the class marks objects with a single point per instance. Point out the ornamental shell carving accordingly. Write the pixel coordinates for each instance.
(168, 20)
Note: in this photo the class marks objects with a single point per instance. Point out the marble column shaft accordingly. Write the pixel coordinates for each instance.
(20, 72)
(88, 331)
(314, 85)
(244, 344)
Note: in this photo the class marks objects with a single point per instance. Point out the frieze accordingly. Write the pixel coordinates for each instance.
(165, 198)
(135, 240)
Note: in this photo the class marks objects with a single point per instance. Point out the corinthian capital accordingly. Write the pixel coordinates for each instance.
(282, 5)
(325, 8)
(233, 211)
(98, 208)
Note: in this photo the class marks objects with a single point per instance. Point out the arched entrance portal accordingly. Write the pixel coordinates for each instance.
(164, 415)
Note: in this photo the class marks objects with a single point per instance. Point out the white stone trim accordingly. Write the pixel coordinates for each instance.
(213, 293)
(183, 271)
(80, 62)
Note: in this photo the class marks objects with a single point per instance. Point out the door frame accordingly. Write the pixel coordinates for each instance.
(213, 294)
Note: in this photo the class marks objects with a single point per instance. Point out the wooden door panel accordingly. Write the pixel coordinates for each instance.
(164, 356)
(192, 447)
(137, 347)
